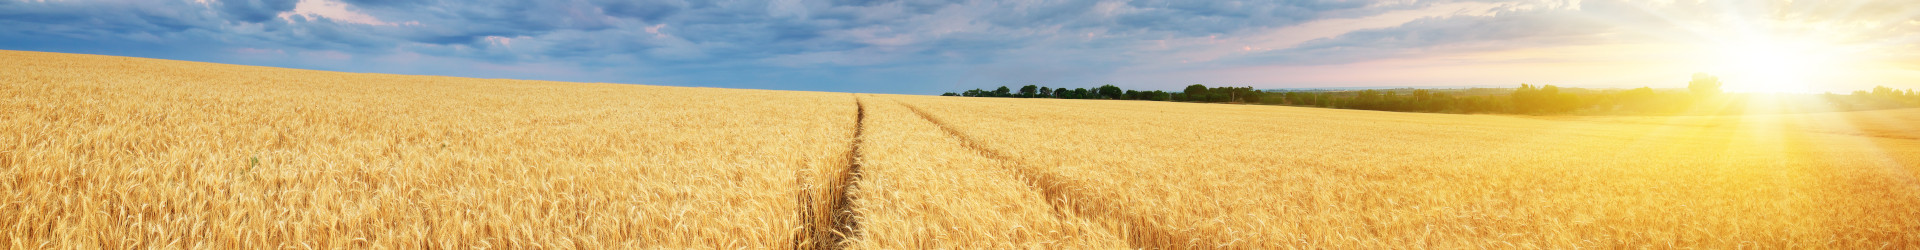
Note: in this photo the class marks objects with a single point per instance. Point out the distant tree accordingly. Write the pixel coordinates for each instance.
(1441, 102)
(1885, 92)
(1228, 94)
(1528, 99)
(1029, 91)
(1547, 101)
(1367, 99)
(1046, 92)
(950, 94)
(1082, 93)
(1544, 99)
(1637, 100)
(1704, 85)
(1196, 90)
(1391, 101)
(1003, 91)
(1110, 92)
(1131, 95)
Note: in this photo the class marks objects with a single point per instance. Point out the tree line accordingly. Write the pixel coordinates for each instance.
(1881, 97)
(1525, 99)
(1193, 93)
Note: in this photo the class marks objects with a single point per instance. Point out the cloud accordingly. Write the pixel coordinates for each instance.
(1507, 26)
(255, 10)
(645, 10)
(336, 11)
(831, 44)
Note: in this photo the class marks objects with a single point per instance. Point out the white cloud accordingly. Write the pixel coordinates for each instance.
(500, 41)
(336, 11)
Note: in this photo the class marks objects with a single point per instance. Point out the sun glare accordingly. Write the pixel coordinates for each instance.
(1774, 66)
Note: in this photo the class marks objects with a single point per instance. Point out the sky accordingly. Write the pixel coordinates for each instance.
(929, 47)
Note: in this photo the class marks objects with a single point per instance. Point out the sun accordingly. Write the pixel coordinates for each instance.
(1774, 65)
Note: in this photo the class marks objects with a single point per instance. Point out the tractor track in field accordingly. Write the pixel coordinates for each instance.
(1061, 193)
(829, 218)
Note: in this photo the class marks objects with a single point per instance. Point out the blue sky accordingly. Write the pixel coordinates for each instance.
(928, 47)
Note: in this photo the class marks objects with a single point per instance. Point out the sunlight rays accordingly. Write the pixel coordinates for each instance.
(1773, 66)
(1778, 46)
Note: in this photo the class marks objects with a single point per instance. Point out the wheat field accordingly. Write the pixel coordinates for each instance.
(1228, 176)
(108, 152)
(116, 152)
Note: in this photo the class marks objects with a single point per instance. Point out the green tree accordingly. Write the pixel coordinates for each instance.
(1545, 99)
(1046, 92)
(1884, 92)
(1029, 91)
(1003, 91)
(1367, 99)
(1527, 99)
(1637, 100)
(1110, 92)
(1704, 85)
(1196, 91)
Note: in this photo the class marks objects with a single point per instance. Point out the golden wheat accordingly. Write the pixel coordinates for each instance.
(113, 152)
(920, 188)
(108, 152)
(1214, 176)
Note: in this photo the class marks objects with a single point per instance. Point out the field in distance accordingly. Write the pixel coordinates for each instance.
(116, 152)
